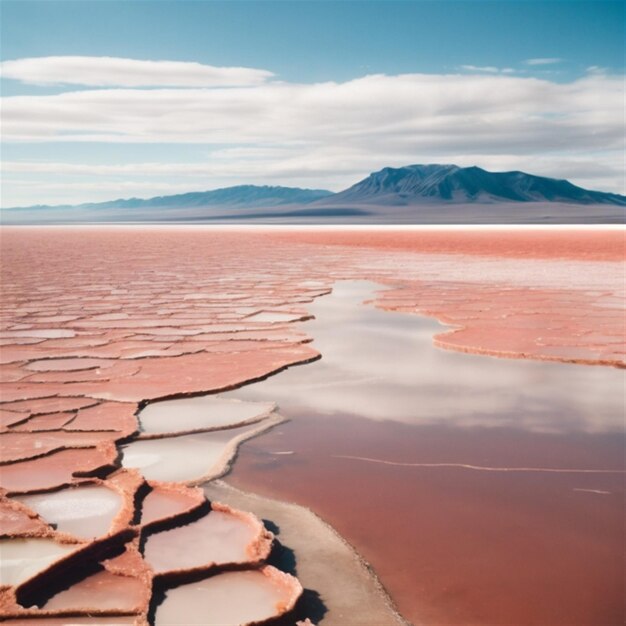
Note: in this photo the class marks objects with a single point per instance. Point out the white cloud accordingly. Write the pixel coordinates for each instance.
(488, 69)
(326, 134)
(543, 61)
(333, 169)
(499, 114)
(597, 70)
(230, 164)
(145, 169)
(118, 188)
(120, 72)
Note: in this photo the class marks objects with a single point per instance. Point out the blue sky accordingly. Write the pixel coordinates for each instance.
(332, 90)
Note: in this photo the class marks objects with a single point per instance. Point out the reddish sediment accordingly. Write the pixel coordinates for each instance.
(550, 243)
(455, 545)
(25, 445)
(17, 520)
(545, 324)
(96, 321)
(58, 469)
(110, 576)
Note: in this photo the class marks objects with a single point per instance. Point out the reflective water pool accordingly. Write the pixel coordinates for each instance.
(216, 538)
(185, 458)
(20, 559)
(228, 599)
(85, 512)
(197, 413)
(383, 366)
(482, 490)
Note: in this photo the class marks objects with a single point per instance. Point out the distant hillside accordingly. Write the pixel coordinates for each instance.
(239, 196)
(450, 183)
(415, 194)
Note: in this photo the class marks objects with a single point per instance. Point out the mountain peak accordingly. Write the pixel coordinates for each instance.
(433, 183)
(392, 194)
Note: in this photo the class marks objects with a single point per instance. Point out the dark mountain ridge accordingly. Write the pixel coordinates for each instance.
(415, 194)
(451, 183)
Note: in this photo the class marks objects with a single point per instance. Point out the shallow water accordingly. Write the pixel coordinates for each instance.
(197, 413)
(20, 559)
(211, 601)
(181, 459)
(102, 591)
(482, 490)
(162, 503)
(215, 538)
(383, 366)
(85, 512)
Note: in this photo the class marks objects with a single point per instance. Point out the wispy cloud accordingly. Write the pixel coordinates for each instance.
(120, 72)
(487, 69)
(543, 61)
(430, 111)
(596, 69)
(72, 183)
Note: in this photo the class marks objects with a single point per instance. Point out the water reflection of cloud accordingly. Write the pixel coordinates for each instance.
(383, 366)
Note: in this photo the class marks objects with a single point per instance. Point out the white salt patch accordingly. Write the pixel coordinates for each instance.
(20, 559)
(181, 459)
(200, 412)
(216, 538)
(228, 599)
(85, 512)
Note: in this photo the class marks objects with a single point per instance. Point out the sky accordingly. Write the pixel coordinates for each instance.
(104, 99)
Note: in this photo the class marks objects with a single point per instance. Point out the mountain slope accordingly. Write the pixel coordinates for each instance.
(416, 194)
(233, 197)
(450, 183)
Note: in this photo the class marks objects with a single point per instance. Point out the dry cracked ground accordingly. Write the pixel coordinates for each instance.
(100, 323)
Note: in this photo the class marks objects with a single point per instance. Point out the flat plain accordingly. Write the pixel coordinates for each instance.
(442, 410)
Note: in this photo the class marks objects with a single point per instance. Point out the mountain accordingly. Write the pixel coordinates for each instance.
(415, 194)
(451, 183)
(232, 197)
